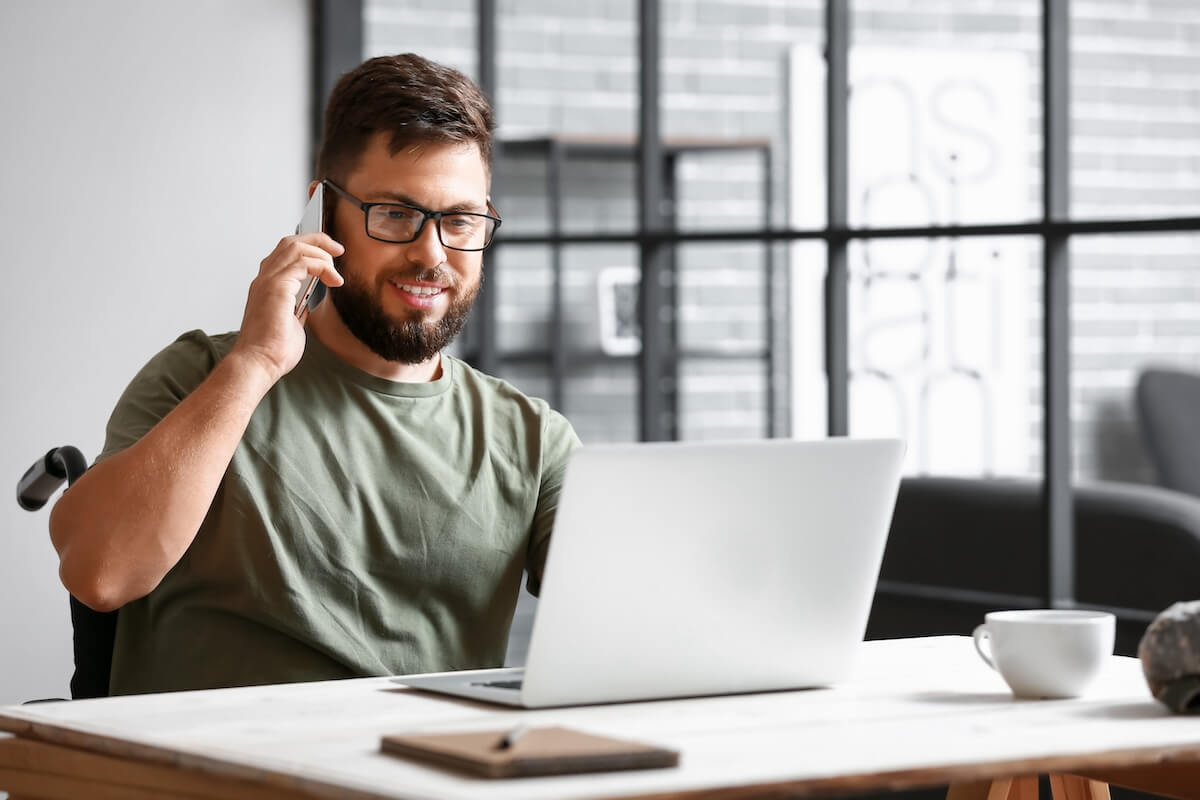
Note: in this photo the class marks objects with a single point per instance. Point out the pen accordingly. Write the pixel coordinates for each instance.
(510, 738)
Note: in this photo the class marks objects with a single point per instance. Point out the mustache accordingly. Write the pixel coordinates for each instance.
(429, 275)
(438, 274)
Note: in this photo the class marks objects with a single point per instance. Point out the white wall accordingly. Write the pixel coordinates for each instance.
(152, 153)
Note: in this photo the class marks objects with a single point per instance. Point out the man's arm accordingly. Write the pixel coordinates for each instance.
(122, 526)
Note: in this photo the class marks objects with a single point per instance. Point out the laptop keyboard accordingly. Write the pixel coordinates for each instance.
(500, 684)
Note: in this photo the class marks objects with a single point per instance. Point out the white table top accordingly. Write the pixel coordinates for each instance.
(911, 706)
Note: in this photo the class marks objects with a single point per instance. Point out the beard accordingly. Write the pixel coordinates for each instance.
(411, 341)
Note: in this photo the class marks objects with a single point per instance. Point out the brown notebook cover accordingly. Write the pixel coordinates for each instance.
(541, 751)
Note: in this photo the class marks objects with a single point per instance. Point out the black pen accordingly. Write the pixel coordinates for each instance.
(510, 738)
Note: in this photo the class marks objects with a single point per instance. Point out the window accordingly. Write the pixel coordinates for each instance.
(955, 290)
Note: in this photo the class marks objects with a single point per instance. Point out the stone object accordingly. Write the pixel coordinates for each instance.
(1170, 656)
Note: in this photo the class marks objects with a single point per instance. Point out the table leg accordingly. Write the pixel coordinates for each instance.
(1073, 787)
(1022, 788)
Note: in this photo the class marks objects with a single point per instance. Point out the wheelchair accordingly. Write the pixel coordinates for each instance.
(93, 632)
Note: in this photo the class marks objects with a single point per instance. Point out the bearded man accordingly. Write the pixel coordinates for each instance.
(330, 495)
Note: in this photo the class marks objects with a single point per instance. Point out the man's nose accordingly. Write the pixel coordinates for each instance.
(426, 249)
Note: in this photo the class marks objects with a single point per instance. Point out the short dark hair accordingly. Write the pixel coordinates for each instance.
(409, 97)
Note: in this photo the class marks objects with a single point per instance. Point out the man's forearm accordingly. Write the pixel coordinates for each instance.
(123, 525)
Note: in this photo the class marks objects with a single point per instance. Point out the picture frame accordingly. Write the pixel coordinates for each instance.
(617, 310)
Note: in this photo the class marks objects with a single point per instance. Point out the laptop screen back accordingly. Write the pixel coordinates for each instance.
(683, 569)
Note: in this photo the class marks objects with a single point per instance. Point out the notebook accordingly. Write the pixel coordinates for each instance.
(684, 569)
(550, 750)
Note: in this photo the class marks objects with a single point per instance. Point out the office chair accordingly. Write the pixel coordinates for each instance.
(92, 631)
(1168, 409)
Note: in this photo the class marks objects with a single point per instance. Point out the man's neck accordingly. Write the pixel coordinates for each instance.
(325, 323)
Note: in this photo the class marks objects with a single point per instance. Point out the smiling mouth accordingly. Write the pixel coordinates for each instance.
(417, 290)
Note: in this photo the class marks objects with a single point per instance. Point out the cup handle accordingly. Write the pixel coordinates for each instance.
(980, 635)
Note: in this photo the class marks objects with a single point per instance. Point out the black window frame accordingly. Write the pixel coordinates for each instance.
(337, 46)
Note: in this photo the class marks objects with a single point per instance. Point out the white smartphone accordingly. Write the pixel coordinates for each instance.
(313, 291)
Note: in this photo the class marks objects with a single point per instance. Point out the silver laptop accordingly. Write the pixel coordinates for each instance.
(686, 569)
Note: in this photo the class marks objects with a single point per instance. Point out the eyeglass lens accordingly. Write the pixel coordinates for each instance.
(402, 224)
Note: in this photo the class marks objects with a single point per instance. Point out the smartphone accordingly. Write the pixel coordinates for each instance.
(313, 291)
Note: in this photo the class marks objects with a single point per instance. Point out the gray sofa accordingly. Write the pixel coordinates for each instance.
(1136, 548)
(1167, 401)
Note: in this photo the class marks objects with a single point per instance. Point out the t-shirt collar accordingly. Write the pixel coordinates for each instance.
(323, 358)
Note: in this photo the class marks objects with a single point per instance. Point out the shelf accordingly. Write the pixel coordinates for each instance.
(556, 150)
(607, 147)
(593, 357)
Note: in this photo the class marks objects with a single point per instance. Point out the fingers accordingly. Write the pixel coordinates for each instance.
(309, 264)
(323, 241)
(303, 254)
(304, 243)
(324, 268)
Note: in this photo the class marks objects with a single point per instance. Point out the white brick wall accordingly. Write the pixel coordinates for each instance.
(571, 68)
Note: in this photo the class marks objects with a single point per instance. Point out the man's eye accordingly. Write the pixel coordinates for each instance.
(400, 214)
(460, 222)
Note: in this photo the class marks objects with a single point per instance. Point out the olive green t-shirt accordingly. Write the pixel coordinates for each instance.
(363, 527)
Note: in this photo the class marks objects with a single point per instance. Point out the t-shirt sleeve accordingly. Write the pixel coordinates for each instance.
(559, 440)
(171, 375)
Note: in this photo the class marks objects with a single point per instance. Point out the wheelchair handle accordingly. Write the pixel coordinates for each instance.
(42, 479)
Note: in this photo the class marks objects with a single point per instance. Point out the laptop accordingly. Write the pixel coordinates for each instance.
(685, 569)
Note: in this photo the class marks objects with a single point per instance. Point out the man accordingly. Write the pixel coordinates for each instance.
(332, 497)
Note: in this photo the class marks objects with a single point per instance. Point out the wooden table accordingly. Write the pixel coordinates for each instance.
(916, 712)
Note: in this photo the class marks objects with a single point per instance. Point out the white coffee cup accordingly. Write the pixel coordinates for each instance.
(1046, 652)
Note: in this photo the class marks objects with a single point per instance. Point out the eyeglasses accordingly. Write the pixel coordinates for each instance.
(399, 223)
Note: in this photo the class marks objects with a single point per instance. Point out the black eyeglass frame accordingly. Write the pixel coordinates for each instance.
(426, 214)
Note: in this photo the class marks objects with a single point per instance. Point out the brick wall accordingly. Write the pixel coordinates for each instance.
(571, 68)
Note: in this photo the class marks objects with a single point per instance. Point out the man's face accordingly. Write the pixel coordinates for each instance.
(406, 302)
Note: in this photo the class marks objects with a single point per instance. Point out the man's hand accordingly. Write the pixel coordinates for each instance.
(271, 335)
